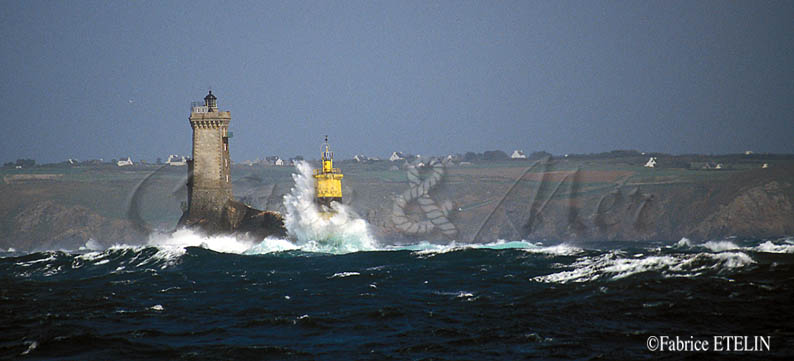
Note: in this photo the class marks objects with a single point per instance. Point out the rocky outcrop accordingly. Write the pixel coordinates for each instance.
(761, 211)
(238, 218)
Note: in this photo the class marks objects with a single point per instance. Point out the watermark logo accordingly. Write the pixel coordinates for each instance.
(419, 192)
(726, 343)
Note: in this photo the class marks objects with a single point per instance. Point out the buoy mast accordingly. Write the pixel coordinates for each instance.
(329, 179)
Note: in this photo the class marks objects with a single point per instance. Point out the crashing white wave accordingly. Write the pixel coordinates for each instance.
(779, 246)
(92, 245)
(271, 245)
(177, 242)
(308, 230)
(344, 232)
(558, 250)
(344, 274)
(684, 242)
(614, 265)
(770, 247)
(719, 246)
(427, 248)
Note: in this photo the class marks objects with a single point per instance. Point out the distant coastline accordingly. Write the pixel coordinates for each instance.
(610, 196)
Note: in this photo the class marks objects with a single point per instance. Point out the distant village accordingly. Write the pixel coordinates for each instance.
(647, 160)
(179, 160)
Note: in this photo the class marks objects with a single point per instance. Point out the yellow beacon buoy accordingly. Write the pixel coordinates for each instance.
(329, 181)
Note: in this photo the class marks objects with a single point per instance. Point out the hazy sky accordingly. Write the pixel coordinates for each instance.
(91, 79)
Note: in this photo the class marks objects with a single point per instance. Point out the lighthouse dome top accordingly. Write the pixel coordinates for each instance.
(210, 101)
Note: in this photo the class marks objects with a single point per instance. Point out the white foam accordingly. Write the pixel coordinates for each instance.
(615, 266)
(31, 346)
(731, 260)
(769, 247)
(92, 245)
(91, 256)
(345, 274)
(270, 245)
(171, 246)
(30, 263)
(719, 246)
(558, 250)
(427, 248)
(177, 242)
(684, 242)
(344, 232)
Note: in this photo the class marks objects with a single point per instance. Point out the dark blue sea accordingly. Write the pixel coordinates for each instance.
(500, 301)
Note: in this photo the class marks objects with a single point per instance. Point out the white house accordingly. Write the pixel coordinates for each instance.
(279, 161)
(651, 163)
(124, 162)
(518, 154)
(176, 160)
(396, 156)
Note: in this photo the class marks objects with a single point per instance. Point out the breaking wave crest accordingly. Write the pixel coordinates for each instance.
(343, 232)
(615, 265)
(430, 248)
(560, 264)
(778, 246)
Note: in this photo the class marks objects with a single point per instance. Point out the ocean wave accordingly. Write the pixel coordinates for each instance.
(719, 246)
(344, 274)
(427, 248)
(557, 250)
(344, 232)
(770, 247)
(614, 266)
(767, 246)
(175, 243)
(271, 245)
(684, 242)
(170, 247)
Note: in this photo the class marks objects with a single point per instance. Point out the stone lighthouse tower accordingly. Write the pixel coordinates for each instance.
(209, 181)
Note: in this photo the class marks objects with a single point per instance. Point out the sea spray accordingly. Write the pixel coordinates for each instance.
(308, 230)
(344, 232)
(177, 241)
